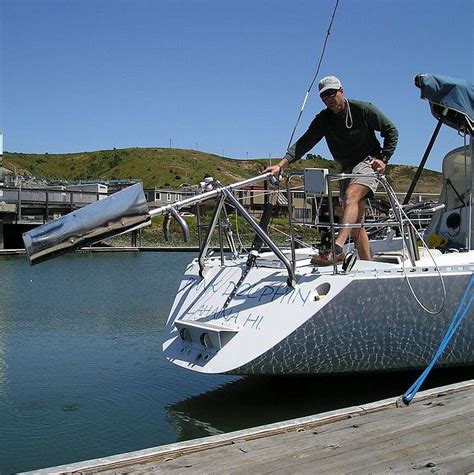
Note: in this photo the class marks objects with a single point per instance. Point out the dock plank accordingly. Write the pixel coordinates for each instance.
(434, 434)
(370, 438)
(372, 457)
(331, 458)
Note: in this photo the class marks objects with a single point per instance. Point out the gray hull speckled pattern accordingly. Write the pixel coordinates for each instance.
(374, 325)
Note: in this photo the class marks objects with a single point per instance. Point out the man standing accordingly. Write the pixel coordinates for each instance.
(349, 129)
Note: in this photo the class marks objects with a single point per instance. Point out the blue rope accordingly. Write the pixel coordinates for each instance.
(456, 321)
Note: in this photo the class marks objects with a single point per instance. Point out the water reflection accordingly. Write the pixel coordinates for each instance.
(82, 374)
(258, 400)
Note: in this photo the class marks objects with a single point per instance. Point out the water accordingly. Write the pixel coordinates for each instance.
(82, 375)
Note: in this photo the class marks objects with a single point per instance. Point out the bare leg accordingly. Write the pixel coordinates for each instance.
(353, 212)
(360, 236)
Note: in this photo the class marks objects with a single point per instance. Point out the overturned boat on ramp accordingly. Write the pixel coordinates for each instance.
(273, 312)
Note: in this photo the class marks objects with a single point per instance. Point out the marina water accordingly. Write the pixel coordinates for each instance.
(82, 374)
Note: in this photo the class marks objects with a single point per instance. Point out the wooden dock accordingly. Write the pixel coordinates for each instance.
(435, 434)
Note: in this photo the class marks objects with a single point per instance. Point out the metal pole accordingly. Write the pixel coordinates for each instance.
(198, 224)
(208, 194)
(203, 253)
(19, 204)
(290, 222)
(470, 234)
(221, 241)
(263, 236)
(47, 205)
(331, 225)
(425, 156)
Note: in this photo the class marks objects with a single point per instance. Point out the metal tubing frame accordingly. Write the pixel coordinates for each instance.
(208, 194)
(221, 240)
(263, 236)
(332, 224)
(229, 235)
(290, 217)
(205, 247)
(470, 237)
(425, 156)
(225, 192)
(394, 204)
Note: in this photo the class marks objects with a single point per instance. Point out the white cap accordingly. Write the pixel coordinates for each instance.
(329, 82)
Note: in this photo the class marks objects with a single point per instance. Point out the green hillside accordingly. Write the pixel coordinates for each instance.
(169, 167)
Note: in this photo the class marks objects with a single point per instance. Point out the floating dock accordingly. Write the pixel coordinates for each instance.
(435, 434)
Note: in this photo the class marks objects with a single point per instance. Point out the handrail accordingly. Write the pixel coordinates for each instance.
(289, 193)
(205, 247)
(394, 205)
(393, 200)
(225, 194)
(264, 237)
(209, 194)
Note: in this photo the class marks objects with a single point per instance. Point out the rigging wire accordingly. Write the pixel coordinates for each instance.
(315, 74)
(402, 212)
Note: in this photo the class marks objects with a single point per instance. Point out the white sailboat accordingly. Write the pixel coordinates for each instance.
(275, 313)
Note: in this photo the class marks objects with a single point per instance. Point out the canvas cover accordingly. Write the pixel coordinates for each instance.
(456, 94)
(113, 215)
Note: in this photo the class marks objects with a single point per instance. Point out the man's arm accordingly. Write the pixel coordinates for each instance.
(304, 144)
(381, 123)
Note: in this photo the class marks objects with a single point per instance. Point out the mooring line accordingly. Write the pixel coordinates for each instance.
(454, 325)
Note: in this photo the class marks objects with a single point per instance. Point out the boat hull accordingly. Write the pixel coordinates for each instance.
(366, 329)
(369, 321)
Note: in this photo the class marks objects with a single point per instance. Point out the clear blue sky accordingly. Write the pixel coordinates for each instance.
(225, 76)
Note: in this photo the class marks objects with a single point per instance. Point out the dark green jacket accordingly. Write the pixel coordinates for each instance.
(348, 145)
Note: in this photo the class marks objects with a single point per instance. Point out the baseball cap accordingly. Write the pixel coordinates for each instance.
(329, 82)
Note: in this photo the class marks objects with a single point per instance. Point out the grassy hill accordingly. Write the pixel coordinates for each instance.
(169, 167)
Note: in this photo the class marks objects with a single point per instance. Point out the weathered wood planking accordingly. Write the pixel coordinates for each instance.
(422, 437)
(435, 434)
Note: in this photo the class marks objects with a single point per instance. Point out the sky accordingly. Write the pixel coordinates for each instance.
(222, 76)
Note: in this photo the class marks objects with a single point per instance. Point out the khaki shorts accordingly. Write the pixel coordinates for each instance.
(364, 168)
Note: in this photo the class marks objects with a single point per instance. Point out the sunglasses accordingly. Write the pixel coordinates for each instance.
(329, 93)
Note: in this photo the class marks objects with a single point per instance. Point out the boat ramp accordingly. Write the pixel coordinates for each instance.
(434, 434)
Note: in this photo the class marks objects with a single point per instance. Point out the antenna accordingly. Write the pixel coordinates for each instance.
(315, 75)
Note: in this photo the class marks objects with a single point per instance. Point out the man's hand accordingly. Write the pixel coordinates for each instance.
(274, 169)
(378, 165)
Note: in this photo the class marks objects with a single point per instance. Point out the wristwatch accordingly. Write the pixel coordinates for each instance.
(383, 158)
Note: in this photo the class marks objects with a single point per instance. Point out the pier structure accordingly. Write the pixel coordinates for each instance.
(23, 208)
